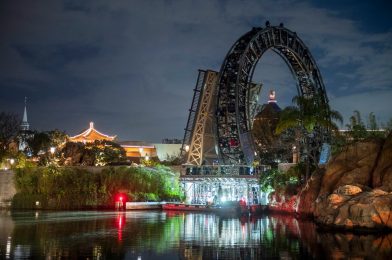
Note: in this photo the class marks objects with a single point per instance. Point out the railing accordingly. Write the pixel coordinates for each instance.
(224, 170)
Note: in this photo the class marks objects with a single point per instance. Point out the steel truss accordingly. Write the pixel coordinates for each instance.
(233, 117)
(202, 140)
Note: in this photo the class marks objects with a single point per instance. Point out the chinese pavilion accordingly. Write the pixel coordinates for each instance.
(135, 150)
(90, 135)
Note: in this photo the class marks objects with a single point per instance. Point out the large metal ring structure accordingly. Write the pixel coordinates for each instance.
(233, 122)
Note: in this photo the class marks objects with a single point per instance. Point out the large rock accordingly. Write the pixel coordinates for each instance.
(382, 175)
(356, 188)
(365, 209)
(353, 190)
(352, 166)
(308, 195)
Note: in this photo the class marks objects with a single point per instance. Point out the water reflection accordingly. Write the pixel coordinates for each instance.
(175, 235)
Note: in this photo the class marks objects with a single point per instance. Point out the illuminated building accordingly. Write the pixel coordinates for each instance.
(137, 150)
(91, 135)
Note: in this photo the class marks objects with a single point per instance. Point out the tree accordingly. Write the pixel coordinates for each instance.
(356, 127)
(39, 142)
(271, 148)
(99, 153)
(308, 115)
(9, 129)
(57, 137)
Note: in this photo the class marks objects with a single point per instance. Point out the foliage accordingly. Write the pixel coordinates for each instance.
(356, 127)
(174, 159)
(151, 162)
(278, 180)
(99, 153)
(40, 142)
(271, 147)
(20, 161)
(358, 131)
(9, 129)
(78, 188)
(308, 113)
(307, 116)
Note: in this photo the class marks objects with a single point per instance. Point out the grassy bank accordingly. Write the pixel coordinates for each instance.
(78, 188)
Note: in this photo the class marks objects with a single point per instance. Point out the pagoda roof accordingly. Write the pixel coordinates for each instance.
(90, 132)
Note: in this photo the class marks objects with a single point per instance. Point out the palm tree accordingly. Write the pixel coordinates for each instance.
(308, 115)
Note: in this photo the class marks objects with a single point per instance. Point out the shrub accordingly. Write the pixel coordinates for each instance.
(78, 188)
(278, 180)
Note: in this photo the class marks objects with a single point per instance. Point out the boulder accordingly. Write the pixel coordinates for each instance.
(382, 175)
(308, 195)
(352, 166)
(354, 190)
(364, 210)
(348, 190)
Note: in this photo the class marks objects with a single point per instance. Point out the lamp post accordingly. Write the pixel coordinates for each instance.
(52, 150)
(295, 154)
(140, 154)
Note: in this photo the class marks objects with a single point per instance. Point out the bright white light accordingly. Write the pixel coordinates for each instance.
(12, 161)
(52, 150)
(147, 158)
(187, 148)
(8, 248)
(37, 203)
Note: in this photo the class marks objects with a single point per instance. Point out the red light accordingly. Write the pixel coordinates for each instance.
(121, 198)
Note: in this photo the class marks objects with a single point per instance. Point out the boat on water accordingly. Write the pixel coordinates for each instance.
(233, 208)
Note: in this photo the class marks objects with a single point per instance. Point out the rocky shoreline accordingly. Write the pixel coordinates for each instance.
(353, 191)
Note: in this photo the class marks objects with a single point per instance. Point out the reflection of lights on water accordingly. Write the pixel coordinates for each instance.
(36, 214)
(120, 221)
(8, 248)
(243, 230)
(97, 252)
(139, 257)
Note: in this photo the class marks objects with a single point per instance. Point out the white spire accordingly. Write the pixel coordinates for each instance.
(25, 111)
(25, 125)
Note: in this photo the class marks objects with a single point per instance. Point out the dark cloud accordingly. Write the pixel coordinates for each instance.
(130, 66)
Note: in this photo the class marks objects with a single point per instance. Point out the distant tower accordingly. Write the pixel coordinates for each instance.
(272, 97)
(24, 128)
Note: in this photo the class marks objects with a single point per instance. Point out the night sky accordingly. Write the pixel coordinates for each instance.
(130, 66)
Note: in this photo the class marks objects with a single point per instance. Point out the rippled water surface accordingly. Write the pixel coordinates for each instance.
(176, 235)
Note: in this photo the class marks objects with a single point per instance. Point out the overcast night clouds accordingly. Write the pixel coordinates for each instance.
(130, 66)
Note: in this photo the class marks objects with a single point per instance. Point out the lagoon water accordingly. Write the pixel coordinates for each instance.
(176, 235)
